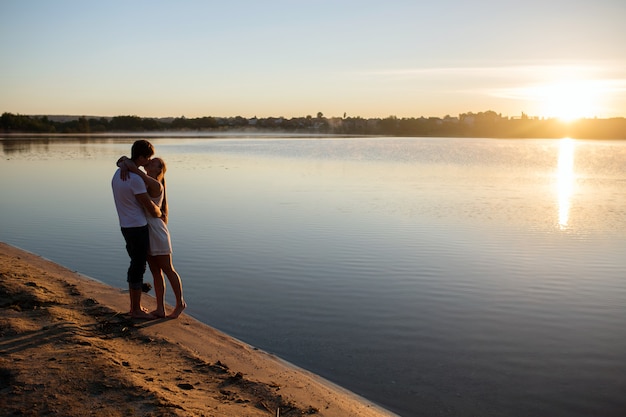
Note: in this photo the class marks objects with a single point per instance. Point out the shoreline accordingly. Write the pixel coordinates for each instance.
(66, 345)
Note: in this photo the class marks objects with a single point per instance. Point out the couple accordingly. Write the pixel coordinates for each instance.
(142, 210)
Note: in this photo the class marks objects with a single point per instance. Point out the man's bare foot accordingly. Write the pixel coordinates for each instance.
(145, 310)
(158, 313)
(142, 315)
(178, 310)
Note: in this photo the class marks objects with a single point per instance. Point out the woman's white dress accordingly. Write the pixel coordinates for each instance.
(160, 242)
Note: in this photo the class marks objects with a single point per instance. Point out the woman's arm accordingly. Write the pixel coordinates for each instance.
(152, 209)
(153, 186)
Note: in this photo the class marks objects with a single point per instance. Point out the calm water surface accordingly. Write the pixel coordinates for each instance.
(451, 277)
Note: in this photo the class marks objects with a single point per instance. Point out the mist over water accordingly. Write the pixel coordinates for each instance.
(452, 277)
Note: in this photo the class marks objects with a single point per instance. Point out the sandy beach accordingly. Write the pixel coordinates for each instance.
(68, 348)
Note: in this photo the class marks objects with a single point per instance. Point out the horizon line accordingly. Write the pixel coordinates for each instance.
(345, 116)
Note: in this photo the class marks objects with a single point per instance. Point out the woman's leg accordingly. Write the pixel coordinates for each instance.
(159, 285)
(166, 265)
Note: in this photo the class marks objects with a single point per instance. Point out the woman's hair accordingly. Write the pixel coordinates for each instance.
(163, 170)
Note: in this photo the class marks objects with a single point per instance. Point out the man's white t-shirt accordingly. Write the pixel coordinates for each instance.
(129, 210)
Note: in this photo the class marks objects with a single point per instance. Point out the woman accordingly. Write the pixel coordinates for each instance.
(160, 254)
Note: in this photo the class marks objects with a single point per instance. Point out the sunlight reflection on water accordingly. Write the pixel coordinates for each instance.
(565, 175)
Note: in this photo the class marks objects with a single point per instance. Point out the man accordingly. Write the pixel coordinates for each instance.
(132, 202)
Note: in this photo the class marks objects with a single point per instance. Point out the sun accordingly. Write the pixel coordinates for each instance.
(568, 100)
(564, 92)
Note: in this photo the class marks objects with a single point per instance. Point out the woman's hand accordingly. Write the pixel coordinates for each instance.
(126, 167)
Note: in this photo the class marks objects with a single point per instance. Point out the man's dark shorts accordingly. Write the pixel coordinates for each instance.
(137, 245)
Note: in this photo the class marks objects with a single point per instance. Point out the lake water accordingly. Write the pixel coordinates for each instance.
(433, 276)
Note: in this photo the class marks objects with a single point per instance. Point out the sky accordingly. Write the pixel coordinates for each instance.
(293, 58)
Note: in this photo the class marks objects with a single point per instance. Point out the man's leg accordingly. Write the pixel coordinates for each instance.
(137, 244)
(136, 310)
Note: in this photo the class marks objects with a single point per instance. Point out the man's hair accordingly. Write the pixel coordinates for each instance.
(141, 148)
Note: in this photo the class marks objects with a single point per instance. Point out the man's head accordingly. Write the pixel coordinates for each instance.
(141, 152)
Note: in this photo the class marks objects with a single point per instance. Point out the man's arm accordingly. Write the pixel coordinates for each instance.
(145, 200)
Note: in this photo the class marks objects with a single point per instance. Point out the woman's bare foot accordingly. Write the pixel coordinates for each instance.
(178, 310)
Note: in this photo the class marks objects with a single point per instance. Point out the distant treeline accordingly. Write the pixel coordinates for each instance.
(483, 124)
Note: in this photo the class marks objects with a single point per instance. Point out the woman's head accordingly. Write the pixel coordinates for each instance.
(156, 168)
